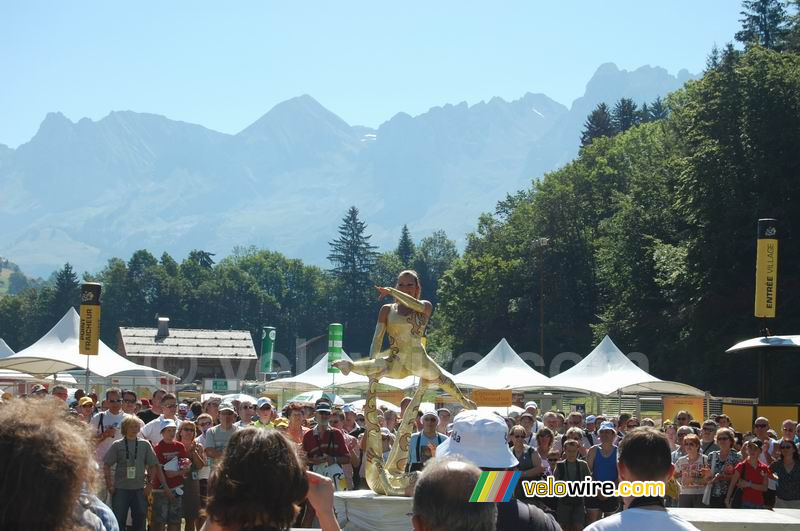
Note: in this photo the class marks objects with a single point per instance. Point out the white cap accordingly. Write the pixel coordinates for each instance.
(168, 423)
(480, 437)
(531, 404)
(430, 413)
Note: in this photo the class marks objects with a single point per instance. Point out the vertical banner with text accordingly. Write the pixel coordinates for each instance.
(90, 319)
(268, 335)
(766, 268)
(335, 336)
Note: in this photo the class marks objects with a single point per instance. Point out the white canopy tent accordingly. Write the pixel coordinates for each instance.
(5, 350)
(318, 377)
(607, 371)
(57, 351)
(767, 343)
(501, 368)
(8, 375)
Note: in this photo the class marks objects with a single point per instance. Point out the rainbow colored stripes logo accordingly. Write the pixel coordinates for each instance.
(495, 487)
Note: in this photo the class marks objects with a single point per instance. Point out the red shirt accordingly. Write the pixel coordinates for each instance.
(330, 442)
(757, 476)
(165, 452)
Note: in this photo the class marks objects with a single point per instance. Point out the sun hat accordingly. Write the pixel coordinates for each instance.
(226, 406)
(606, 426)
(531, 404)
(263, 401)
(85, 401)
(281, 422)
(480, 437)
(168, 423)
(590, 419)
(430, 413)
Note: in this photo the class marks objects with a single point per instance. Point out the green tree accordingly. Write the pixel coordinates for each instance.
(597, 124)
(405, 248)
(657, 110)
(625, 115)
(765, 23)
(353, 258)
(17, 282)
(66, 292)
(434, 256)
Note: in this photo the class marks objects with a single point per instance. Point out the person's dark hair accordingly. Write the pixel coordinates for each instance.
(694, 424)
(196, 408)
(545, 431)
(646, 453)
(126, 392)
(623, 419)
(795, 453)
(159, 391)
(45, 458)
(441, 497)
(259, 480)
(113, 390)
(169, 396)
(80, 393)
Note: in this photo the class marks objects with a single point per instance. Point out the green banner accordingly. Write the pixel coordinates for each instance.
(267, 348)
(335, 335)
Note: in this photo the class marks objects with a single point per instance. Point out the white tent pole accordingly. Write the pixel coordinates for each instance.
(638, 407)
(619, 402)
(87, 375)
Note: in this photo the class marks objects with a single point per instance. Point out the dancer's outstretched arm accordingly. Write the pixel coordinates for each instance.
(407, 300)
(377, 339)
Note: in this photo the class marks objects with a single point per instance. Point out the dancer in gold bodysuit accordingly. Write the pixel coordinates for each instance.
(405, 322)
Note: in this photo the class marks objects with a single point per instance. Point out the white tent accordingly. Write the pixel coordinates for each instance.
(501, 368)
(767, 343)
(57, 351)
(607, 371)
(318, 377)
(7, 375)
(5, 350)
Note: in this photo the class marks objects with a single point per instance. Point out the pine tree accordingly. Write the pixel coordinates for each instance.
(66, 292)
(657, 109)
(354, 259)
(644, 113)
(597, 124)
(765, 23)
(406, 248)
(625, 115)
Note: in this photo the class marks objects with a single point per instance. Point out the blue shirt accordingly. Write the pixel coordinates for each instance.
(424, 443)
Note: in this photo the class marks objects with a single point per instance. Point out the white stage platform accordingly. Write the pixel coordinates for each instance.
(365, 510)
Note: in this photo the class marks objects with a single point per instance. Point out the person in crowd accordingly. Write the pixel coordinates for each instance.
(203, 423)
(351, 443)
(722, 463)
(124, 466)
(529, 422)
(106, 424)
(481, 438)
(39, 391)
(391, 420)
(422, 445)
(788, 433)
(265, 413)
(695, 425)
(168, 405)
(190, 500)
(769, 453)
(644, 455)
(591, 431)
(86, 409)
(707, 444)
(692, 473)
(404, 403)
(261, 484)
(60, 391)
(622, 425)
(183, 411)
(682, 418)
(167, 492)
(129, 399)
(530, 464)
(297, 429)
(787, 470)
(571, 511)
(551, 421)
(576, 434)
(211, 408)
(325, 448)
(602, 461)
(349, 425)
(444, 419)
(724, 421)
(544, 443)
(441, 499)
(671, 432)
(195, 410)
(647, 421)
(148, 415)
(217, 437)
(282, 424)
(246, 411)
(48, 454)
(683, 431)
(751, 476)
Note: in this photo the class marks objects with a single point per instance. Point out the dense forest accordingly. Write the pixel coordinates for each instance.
(648, 236)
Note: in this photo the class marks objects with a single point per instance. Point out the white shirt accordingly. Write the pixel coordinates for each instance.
(152, 430)
(638, 519)
(109, 421)
(205, 472)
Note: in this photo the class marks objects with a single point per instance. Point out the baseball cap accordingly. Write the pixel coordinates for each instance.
(442, 409)
(168, 424)
(430, 414)
(531, 404)
(527, 415)
(347, 408)
(281, 423)
(226, 405)
(607, 426)
(85, 401)
(323, 407)
(38, 388)
(263, 401)
(590, 419)
(480, 437)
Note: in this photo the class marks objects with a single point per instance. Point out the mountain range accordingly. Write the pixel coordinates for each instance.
(86, 191)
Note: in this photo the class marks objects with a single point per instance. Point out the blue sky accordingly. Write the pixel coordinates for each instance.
(224, 64)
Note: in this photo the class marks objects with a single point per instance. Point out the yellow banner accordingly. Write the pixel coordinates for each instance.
(89, 339)
(492, 397)
(766, 269)
(692, 404)
(395, 397)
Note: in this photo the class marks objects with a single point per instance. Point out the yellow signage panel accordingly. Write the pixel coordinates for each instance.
(692, 404)
(395, 397)
(766, 268)
(89, 338)
(492, 397)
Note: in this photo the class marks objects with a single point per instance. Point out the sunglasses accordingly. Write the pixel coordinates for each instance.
(188, 428)
(691, 444)
(169, 406)
(760, 425)
(553, 460)
(788, 429)
(709, 429)
(723, 438)
(360, 419)
(787, 447)
(204, 424)
(518, 436)
(129, 401)
(114, 401)
(248, 407)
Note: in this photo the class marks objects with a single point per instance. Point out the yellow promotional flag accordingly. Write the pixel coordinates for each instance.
(766, 268)
(90, 319)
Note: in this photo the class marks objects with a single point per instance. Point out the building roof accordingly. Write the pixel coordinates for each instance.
(187, 343)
